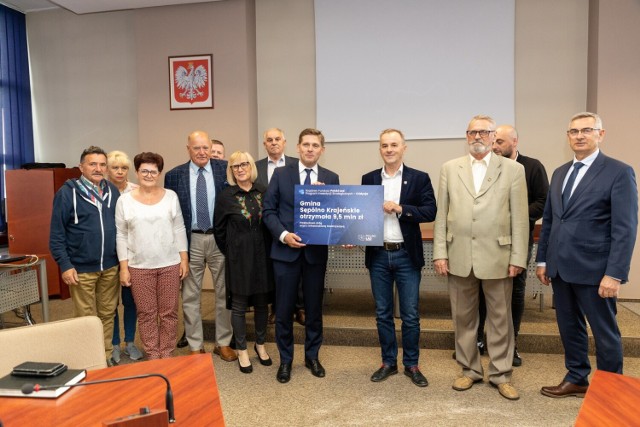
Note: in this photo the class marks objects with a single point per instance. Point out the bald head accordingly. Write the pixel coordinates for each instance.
(199, 148)
(506, 143)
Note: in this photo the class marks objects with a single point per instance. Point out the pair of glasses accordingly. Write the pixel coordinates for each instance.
(243, 165)
(276, 139)
(483, 133)
(584, 131)
(146, 172)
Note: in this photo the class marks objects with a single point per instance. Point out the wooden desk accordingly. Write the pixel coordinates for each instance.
(195, 395)
(612, 400)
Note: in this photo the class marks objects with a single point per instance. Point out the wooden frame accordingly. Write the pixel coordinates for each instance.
(191, 82)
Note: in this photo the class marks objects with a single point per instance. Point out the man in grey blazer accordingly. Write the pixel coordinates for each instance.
(480, 239)
(274, 142)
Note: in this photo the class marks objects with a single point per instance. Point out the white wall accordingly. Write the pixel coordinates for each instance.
(551, 57)
(83, 72)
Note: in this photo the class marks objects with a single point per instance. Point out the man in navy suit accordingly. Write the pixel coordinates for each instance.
(588, 233)
(408, 201)
(292, 259)
(203, 251)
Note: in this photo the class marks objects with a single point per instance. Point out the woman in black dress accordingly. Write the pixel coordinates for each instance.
(241, 236)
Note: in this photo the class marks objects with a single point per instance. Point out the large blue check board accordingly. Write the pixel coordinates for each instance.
(339, 214)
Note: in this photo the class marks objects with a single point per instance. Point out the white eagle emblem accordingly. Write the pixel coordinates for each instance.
(191, 81)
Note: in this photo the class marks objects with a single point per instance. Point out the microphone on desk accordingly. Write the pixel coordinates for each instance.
(29, 388)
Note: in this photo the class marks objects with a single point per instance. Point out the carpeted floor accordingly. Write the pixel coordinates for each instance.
(346, 397)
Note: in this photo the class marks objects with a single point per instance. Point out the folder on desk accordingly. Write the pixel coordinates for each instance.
(11, 385)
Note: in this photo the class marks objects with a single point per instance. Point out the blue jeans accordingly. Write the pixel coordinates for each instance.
(130, 318)
(387, 267)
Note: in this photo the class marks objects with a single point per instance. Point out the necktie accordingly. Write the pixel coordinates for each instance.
(566, 194)
(307, 180)
(202, 208)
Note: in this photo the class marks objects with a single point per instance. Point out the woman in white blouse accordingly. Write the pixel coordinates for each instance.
(152, 250)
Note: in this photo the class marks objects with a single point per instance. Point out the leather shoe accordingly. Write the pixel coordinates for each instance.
(517, 360)
(201, 351)
(464, 383)
(507, 391)
(284, 373)
(564, 389)
(245, 369)
(384, 372)
(316, 368)
(416, 376)
(225, 352)
(481, 347)
(263, 362)
(301, 318)
(182, 342)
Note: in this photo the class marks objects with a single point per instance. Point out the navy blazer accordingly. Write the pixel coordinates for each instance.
(177, 179)
(278, 212)
(594, 236)
(418, 205)
(263, 169)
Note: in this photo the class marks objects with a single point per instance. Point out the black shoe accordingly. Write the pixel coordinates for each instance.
(481, 347)
(245, 369)
(316, 368)
(182, 342)
(263, 362)
(284, 373)
(517, 360)
(384, 372)
(111, 363)
(416, 376)
(453, 355)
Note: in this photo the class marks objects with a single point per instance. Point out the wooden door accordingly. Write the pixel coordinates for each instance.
(29, 204)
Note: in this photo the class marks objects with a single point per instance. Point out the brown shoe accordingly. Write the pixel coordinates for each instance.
(226, 353)
(507, 391)
(301, 318)
(201, 351)
(464, 383)
(564, 389)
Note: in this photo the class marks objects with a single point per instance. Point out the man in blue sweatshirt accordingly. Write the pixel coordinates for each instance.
(83, 241)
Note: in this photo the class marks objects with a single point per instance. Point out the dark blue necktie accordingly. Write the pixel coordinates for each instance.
(566, 194)
(307, 180)
(203, 220)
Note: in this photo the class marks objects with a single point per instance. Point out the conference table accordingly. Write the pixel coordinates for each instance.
(193, 381)
(612, 400)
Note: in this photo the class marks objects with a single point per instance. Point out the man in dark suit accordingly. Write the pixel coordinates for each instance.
(274, 142)
(196, 183)
(408, 201)
(506, 145)
(588, 233)
(292, 259)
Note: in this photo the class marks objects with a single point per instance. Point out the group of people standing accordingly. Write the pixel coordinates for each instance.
(237, 219)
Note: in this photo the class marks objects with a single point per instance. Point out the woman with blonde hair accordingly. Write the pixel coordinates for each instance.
(118, 165)
(241, 236)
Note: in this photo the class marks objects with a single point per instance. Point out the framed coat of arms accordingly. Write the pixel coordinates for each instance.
(191, 82)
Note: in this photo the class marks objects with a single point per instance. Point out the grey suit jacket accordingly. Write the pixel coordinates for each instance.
(263, 171)
(487, 231)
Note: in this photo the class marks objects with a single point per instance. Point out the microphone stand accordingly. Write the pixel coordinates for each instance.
(30, 388)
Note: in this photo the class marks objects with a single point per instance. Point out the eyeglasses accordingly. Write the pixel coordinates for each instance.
(243, 165)
(584, 131)
(276, 139)
(483, 133)
(146, 172)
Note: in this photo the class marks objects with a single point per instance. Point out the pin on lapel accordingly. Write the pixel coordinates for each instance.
(405, 182)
